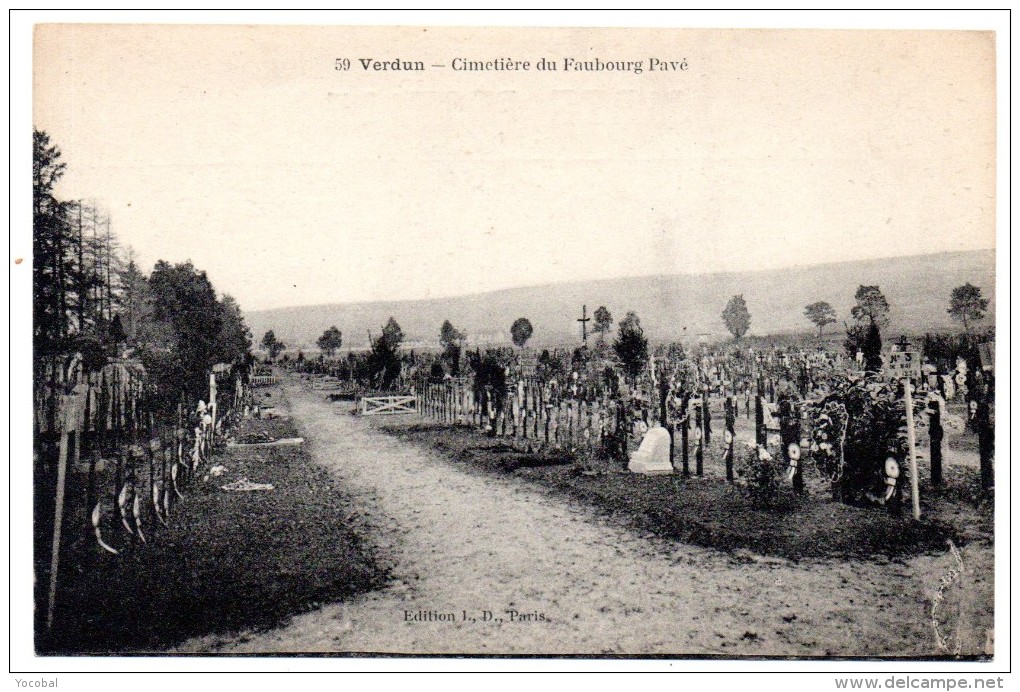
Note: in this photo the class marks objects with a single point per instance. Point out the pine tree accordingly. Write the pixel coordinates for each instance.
(631, 345)
(966, 305)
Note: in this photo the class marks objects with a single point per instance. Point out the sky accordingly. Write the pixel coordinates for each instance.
(244, 150)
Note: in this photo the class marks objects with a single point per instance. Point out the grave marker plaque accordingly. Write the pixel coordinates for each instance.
(904, 365)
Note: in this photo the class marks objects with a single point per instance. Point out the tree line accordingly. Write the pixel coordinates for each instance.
(91, 297)
(966, 305)
(870, 315)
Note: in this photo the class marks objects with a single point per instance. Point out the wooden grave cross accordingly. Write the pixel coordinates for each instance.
(584, 320)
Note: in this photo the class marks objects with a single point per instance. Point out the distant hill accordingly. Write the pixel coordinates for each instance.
(680, 306)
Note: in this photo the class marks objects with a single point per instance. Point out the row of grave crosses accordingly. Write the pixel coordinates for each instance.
(110, 411)
(808, 369)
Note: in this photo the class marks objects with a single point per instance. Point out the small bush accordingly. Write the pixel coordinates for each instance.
(763, 475)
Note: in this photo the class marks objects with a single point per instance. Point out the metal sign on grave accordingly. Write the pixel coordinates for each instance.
(904, 364)
(529, 364)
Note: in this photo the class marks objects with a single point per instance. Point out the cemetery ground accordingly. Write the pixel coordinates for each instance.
(712, 512)
(228, 561)
(491, 551)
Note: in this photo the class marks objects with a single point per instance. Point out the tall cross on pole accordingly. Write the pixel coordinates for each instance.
(584, 324)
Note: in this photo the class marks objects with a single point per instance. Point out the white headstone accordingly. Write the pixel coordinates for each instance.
(652, 457)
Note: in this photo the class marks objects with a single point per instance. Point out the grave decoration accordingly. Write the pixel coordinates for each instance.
(652, 457)
(856, 430)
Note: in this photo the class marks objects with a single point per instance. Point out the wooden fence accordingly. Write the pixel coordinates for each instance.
(534, 414)
(387, 405)
(526, 412)
(119, 470)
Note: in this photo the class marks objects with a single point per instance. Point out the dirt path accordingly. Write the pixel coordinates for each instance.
(457, 542)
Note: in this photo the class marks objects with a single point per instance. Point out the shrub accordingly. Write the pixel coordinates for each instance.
(763, 475)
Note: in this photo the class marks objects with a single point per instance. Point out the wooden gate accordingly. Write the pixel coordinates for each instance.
(387, 405)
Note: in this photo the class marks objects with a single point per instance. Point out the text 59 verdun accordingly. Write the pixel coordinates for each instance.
(504, 64)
